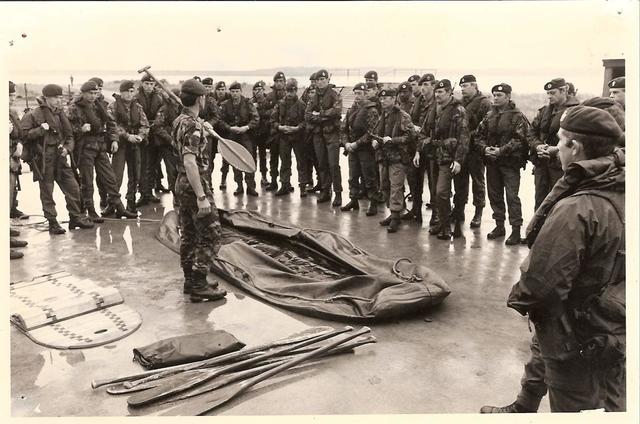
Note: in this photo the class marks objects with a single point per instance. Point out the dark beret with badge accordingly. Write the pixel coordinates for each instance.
(388, 92)
(98, 81)
(126, 85)
(467, 78)
(313, 77)
(616, 83)
(259, 84)
(555, 83)
(405, 86)
(89, 86)
(414, 78)
(371, 75)
(291, 85)
(501, 88)
(360, 86)
(51, 90)
(444, 83)
(235, 86)
(322, 73)
(193, 87)
(12, 87)
(590, 121)
(426, 78)
(279, 75)
(207, 81)
(147, 77)
(220, 84)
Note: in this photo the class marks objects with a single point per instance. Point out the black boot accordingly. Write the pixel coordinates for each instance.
(273, 186)
(109, 211)
(131, 207)
(119, 212)
(104, 202)
(284, 190)
(395, 222)
(143, 201)
(316, 188)
(497, 232)
(514, 238)
(514, 408)
(372, 209)
(14, 254)
(79, 222)
(17, 213)
(17, 243)
(93, 216)
(325, 196)
(264, 181)
(476, 221)
(387, 220)
(252, 192)
(445, 231)
(13, 232)
(202, 291)
(352, 205)
(303, 190)
(457, 229)
(239, 190)
(337, 200)
(55, 228)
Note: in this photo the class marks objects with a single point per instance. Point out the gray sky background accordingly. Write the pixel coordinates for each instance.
(172, 36)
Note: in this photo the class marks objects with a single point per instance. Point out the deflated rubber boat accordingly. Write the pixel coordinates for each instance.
(314, 272)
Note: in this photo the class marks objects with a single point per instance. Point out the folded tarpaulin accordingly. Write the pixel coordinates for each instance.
(187, 348)
(314, 272)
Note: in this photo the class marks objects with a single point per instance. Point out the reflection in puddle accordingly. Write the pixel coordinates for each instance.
(98, 239)
(126, 235)
(57, 364)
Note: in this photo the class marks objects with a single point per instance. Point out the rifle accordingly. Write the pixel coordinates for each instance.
(26, 98)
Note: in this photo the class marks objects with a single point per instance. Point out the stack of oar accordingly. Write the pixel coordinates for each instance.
(199, 387)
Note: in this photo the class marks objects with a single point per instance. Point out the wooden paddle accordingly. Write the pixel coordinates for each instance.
(221, 396)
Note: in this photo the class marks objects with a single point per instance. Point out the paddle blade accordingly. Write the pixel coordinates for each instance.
(236, 155)
(205, 403)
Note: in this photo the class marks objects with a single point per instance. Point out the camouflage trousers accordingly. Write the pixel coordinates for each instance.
(199, 237)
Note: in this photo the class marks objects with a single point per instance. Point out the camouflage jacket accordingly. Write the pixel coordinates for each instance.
(420, 109)
(359, 122)
(163, 123)
(289, 112)
(507, 129)
(129, 118)
(477, 108)
(189, 138)
(151, 103)
(328, 105)
(407, 105)
(244, 113)
(59, 133)
(448, 131)
(544, 130)
(102, 130)
(15, 134)
(265, 109)
(395, 123)
(211, 111)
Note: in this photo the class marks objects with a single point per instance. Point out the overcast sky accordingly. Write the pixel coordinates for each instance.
(167, 35)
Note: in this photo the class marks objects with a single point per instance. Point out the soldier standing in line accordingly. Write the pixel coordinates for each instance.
(414, 83)
(48, 134)
(405, 97)
(94, 133)
(132, 128)
(151, 101)
(371, 76)
(616, 90)
(502, 137)
(276, 94)
(288, 120)
(199, 220)
(308, 93)
(324, 112)
(261, 133)
(220, 95)
(395, 134)
(104, 197)
(361, 120)
(238, 116)
(543, 138)
(211, 114)
(15, 153)
(162, 125)
(477, 105)
(447, 129)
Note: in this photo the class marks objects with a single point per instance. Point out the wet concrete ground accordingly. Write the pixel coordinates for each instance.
(468, 352)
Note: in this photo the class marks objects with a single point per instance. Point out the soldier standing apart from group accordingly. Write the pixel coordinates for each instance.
(169, 111)
(199, 220)
(15, 153)
(220, 95)
(447, 129)
(48, 133)
(324, 112)
(502, 137)
(132, 128)
(543, 138)
(423, 158)
(150, 158)
(211, 114)
(477, 105)
(361, 120)
(394, 136)
(288, 121)
(238, 117)
(94, 133)
(261, 133)
(276, 94)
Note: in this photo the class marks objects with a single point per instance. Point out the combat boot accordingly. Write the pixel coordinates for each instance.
(79, 222)
(14, 254)
(514, 238)
(17, 243)
(223, 181)
(395, 222)
(325, 196)
(497, 232)
(252, 192)
(110, 210)
(387, 220)
(239, 190)
(303, 190)
(93, 216)
(457, 229)
(131, 207)
(13, 232)
(17, 213)
(264, 181)
(316, 188)
(55, 228)
(273, 186)
(477, 219)
(445, 232)
(514, 408)
(373, 208)
(201, 291)
(352, 205)
(189, 280)
(119, 212)
(337, 200)
(284, 190)
(104, 202)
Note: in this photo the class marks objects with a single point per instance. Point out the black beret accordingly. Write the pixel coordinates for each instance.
(278, 75)
(390, 92)
(426, 78)
(360, 86)
(322, 73)
(444, 83)
(235, 86)
(197, 78)
(126, 85)
(207, 81)
(571, 89)
(371, 84)
(259, 84)
(555, 83)
(590, 121)
(51, 90)
(220, 84)
(291, 85)
(413, 78)
(313, 77)
(97, 81)
(467, 78)
(193, 86)
(616, 83)
(404, 87)
(501, 88)
(610, 105)
(147, 77)
(89, 86)
(371, 75)
(12, 87)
